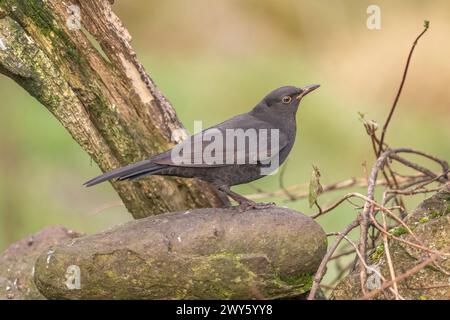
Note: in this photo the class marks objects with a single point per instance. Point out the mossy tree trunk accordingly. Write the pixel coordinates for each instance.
(87, 75)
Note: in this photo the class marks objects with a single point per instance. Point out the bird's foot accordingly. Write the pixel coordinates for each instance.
(250, 205)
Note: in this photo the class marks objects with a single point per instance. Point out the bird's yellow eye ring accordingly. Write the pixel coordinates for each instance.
(286, 99)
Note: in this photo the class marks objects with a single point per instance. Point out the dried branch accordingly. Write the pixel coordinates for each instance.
(388, 258)
(342, 254)
(323, 264)
(396, 186)
(362, 261)
(401, 277)
(397, 97)
(297, 193)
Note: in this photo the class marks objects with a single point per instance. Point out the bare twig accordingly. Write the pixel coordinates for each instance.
(410, 185)
(442, 163)
(342, 254)
(413, 191)
(418, 167)
(388, 257)
(397, 185)
(323, 264)
(368, 207)
(323, 211)
(401, 277)
(281, 183)
(295, 190)
(412, 244)
(362, 261)
(397, 97)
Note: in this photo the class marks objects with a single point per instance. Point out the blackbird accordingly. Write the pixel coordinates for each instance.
(242, 149)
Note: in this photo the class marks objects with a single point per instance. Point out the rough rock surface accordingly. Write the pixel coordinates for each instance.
(201, 254)
(17, 262)
(430, 221)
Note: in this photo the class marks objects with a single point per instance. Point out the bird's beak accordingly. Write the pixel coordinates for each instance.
(306, 90)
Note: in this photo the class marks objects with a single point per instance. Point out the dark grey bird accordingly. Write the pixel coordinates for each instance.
(229, 162)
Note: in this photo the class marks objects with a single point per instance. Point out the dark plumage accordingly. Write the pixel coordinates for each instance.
(276, 111)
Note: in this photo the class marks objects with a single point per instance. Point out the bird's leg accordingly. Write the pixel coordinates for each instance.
(224, 198)
(244, 203)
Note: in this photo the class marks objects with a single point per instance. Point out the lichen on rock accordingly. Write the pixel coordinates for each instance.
(201, 254)
(17, 262)
(430, 222)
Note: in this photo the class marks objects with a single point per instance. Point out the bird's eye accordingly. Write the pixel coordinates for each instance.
(286, 99)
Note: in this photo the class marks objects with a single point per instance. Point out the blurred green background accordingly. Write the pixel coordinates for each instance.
(215, 59)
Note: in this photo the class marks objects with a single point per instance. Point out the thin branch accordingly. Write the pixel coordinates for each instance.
(413, 191)
(323, 211)
(281, 183)
(388, 257)
(362, 260)
(323, 264)
(410, 185)
(340, 185)
(397, 97)
(368, 206)
(418, 167)
(401, 277)
(342, 254)
(412, 244)
(442, 163)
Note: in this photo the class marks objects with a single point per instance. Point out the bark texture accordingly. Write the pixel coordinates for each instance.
(17, 263)
(430, 221)
(202, 254)
(87, 75)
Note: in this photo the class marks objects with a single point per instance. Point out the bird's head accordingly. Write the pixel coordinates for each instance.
(284, 99)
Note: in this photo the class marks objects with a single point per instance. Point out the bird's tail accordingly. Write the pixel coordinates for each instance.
(131, 171)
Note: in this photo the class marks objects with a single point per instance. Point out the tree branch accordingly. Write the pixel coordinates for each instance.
(100, 94)
(399, 92)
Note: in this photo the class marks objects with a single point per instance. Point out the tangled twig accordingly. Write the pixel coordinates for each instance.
(397, 186)
(401, 277)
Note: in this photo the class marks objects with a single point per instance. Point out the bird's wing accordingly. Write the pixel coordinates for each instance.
(241, 140)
